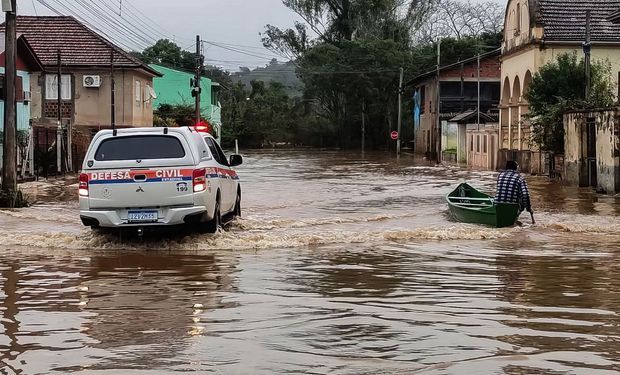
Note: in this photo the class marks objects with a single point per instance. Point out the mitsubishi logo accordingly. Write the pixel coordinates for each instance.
(139, 190)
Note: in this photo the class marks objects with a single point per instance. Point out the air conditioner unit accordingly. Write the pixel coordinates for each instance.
(92, 81)
(27, 96)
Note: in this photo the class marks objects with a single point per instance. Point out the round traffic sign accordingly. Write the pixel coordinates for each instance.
(394, 135)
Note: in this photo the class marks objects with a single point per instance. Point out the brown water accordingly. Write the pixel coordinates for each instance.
(341, 265)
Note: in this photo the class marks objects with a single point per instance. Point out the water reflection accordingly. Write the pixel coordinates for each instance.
(358, 273)
(562, 302)
(142, 307)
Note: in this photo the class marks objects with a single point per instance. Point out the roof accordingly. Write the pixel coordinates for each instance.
(467, 116)
(614, 17)
(79, 46)
(565, 20)
(24, 51)
(495, 52)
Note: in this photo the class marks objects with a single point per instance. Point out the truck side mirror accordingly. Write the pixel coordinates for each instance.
(235, 160)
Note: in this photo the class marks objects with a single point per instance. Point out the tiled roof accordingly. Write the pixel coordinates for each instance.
(565, 20)
(79, 46)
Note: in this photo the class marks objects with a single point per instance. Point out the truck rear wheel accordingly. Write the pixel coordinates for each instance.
(237, 209)
(213, 225)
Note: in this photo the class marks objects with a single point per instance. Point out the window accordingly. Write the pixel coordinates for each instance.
(144, 147)
(215, 95)
(477, 143)
(19, 89)
(484, 145)
(471, 143)
(138, 92)
(147, 95)
(518, 28)
(51, 87)
(216, 151)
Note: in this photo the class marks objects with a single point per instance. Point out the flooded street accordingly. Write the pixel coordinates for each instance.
(340, 265)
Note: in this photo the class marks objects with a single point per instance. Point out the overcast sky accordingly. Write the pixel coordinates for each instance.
(237, 23)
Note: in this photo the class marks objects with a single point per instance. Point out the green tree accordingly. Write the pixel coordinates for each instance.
(168, 53)
(559, 87)
(174, 115)
(355, 60)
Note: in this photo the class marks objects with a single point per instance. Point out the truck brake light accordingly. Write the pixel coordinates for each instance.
(83, 189)
(199, 178)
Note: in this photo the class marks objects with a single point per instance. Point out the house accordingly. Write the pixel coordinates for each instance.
(473, 137)
(592, 149)
(27, 63)
(86, 61)
(535, 33)
(174, 88)
(458, 86)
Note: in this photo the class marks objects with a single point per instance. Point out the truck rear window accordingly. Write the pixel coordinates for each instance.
(141, 147)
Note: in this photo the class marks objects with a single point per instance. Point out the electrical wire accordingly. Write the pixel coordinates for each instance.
(242, 52)
(90, 22)
(103, 16)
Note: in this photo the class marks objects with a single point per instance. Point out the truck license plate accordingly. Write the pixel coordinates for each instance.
(142, 216)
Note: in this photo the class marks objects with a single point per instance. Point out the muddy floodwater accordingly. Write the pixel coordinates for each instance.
(342, 264)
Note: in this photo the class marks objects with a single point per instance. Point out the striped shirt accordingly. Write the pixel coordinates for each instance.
(512, 188)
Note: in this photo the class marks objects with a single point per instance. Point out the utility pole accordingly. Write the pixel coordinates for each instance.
(9, 157)
(197, 89)
(478, 105)
(363, 125)
(438, 105)
(112, 93)
(587, 47)
(400, 108)
(59, 168)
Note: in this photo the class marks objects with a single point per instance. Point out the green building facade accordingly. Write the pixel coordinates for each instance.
(174, 88)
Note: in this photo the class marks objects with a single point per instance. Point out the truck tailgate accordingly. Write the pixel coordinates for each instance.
(140, 188)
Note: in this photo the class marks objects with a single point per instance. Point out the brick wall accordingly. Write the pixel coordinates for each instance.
(489, 68)
(50, 109)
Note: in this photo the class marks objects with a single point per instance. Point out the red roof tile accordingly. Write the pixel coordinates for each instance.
(79, 46)
(565, 20)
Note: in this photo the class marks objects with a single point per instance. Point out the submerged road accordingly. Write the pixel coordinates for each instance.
(340, 265)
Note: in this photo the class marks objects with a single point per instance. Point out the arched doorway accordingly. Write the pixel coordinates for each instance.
(515, 101)
(525, 108)
(505, 114)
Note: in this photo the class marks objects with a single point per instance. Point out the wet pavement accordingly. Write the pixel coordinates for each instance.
(341, 265)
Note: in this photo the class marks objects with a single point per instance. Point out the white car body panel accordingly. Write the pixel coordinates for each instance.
(121, 190)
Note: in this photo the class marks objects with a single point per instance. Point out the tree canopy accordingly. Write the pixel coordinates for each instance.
(351, 69)
(168, 53)
(559, 87)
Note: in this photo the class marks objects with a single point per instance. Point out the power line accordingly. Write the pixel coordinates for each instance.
(42, 2)
(236, 45)
(242, 52)
(136, 31)
(89, 21)
(103, 16)
(165, 32)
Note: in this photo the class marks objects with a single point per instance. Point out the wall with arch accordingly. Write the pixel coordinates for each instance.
(518, 28)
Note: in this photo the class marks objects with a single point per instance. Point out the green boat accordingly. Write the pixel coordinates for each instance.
(469, 205)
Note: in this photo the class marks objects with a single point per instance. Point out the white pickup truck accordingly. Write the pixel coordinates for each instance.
(142, 177)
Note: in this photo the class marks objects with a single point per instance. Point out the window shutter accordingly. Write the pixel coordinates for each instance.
(19, 89)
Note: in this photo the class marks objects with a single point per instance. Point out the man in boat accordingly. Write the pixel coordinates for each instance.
(512, 188)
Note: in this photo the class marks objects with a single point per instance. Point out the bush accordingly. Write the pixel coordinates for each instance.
(559, 87)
